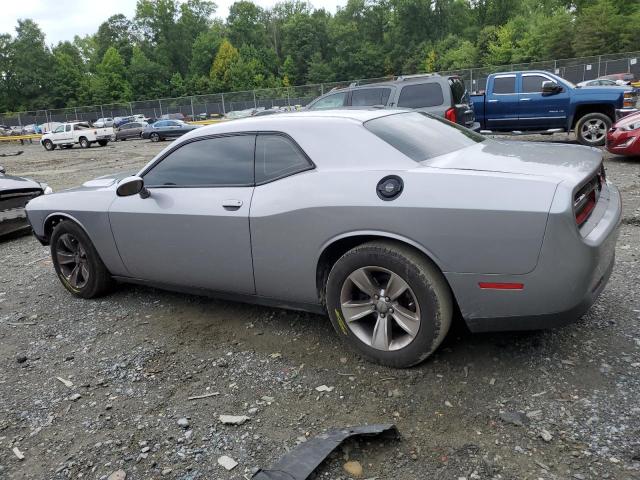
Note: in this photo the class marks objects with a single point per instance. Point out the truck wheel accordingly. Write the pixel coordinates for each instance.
(48, 145)
(154, 137)
(103, 143)
(591, 129)
(84, 143)
(389, 302)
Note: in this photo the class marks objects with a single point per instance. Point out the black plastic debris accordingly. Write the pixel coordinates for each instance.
(304, 459)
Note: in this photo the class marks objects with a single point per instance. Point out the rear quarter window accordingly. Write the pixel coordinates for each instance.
(421, 136)
(367, 97)
(421, 95)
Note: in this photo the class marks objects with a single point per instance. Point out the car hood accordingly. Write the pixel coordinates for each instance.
(613, 90)
(9, 182)
(633, 118)
(559, 161)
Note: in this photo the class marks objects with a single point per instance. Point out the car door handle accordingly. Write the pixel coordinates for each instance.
(493, 101)
(525, 99)
(232, 204)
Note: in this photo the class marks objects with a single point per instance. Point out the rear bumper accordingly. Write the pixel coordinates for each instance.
(573, 269)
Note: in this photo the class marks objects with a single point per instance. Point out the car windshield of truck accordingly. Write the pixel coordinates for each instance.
(421, 136)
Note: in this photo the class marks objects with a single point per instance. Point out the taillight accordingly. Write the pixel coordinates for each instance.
(586, 198)
(451, 115)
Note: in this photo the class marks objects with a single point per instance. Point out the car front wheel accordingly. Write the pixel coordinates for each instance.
(154, 137)
(389, 302)
(77, 262)
(592, 128)
(48, 145)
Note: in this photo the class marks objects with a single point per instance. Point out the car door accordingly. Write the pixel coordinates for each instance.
(540, 111)
(501, 103)
(58, 134)
(193, 229)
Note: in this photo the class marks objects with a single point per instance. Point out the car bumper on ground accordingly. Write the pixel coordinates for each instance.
(623, 142)
(573, 269)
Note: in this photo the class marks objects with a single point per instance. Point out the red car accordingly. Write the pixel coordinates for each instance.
(624, 137)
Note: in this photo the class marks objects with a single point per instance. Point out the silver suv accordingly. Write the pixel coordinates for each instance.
(443, 96)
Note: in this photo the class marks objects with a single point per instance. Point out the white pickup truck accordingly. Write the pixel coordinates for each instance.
(68, 134)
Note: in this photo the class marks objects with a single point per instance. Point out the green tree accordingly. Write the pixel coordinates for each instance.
(597, 29)
(220, 73)
(110, 84)
(147, 78)
(318, 70)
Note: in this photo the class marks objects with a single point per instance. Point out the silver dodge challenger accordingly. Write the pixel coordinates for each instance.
(392, 222)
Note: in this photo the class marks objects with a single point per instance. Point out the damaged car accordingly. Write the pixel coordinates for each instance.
(389, 221)
(15, 193)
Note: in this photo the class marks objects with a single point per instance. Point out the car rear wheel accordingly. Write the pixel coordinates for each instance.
(592, 128)
(84, 143)
(103, 143)
(389, 302)
(48, 145)
(154, 137)
(77, 262)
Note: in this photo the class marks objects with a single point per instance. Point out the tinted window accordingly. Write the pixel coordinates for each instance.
(422, 95)
(502, 85)
(59, 129)
(277, 156)
(68, 128)
(225, 161)
(331, 101)
(421, 136)
(366, 97)
(161, 123)
(458, 90)
(533, 83)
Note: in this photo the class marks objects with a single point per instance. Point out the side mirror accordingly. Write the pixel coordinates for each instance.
(550, 88)
(130, 186)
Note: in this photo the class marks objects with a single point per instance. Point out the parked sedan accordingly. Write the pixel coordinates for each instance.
(624, 137)
(130, 130)
(390, 221)
(163, 129)
(103, 122)
(15, 192)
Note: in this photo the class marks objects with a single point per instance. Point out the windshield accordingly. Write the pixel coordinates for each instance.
(421, 136)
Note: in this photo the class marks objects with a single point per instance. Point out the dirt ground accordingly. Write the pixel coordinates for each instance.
(561, 404)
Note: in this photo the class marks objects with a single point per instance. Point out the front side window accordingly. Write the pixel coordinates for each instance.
(161, 123)
(68, 128)
(421, 95)
(421, 136)
(59, 129)
(331, 101)
(221, 161)
(367, 97)
(533, 83)
(504, 85)
(277, 157)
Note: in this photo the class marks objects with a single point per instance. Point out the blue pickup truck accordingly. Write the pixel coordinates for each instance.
(540, 102)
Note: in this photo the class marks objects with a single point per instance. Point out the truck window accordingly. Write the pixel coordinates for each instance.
(366, 97)
(67, 128)
(504, 85)
(421, 95)
(533, 83)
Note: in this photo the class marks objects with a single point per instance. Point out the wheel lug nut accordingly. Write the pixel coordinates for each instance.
(382, 315)
(376, 297)
(387, 299)
(391, 310)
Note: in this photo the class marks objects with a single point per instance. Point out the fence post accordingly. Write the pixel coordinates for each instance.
(160, 104)
(224, 110)
(193, 114)
(322, 89)
(75, 112)
(255, 105)
(288, 99)
(131, 108)
(471, 79)
(19, 120)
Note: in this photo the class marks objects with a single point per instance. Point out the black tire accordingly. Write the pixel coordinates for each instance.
(84, 143)
(590, 138)
(123, 138)
(98, 281)
(48, 145)
(426, 285)
(155, 137)
(103, 143)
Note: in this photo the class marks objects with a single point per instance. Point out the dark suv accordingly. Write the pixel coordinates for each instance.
(443, 96)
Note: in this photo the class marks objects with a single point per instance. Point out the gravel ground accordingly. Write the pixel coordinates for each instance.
(542, 405)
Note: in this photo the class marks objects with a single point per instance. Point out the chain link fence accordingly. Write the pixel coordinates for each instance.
(204, 106)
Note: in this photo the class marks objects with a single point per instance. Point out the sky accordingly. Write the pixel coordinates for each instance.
(63, 19)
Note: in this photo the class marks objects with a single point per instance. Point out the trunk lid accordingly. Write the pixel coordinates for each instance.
(562, 162)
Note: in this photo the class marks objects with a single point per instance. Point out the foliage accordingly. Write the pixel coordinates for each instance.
(174, 47)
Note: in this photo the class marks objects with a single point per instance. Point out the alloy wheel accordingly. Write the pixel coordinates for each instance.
(380, 308)
(594, 130)
(72, 260)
